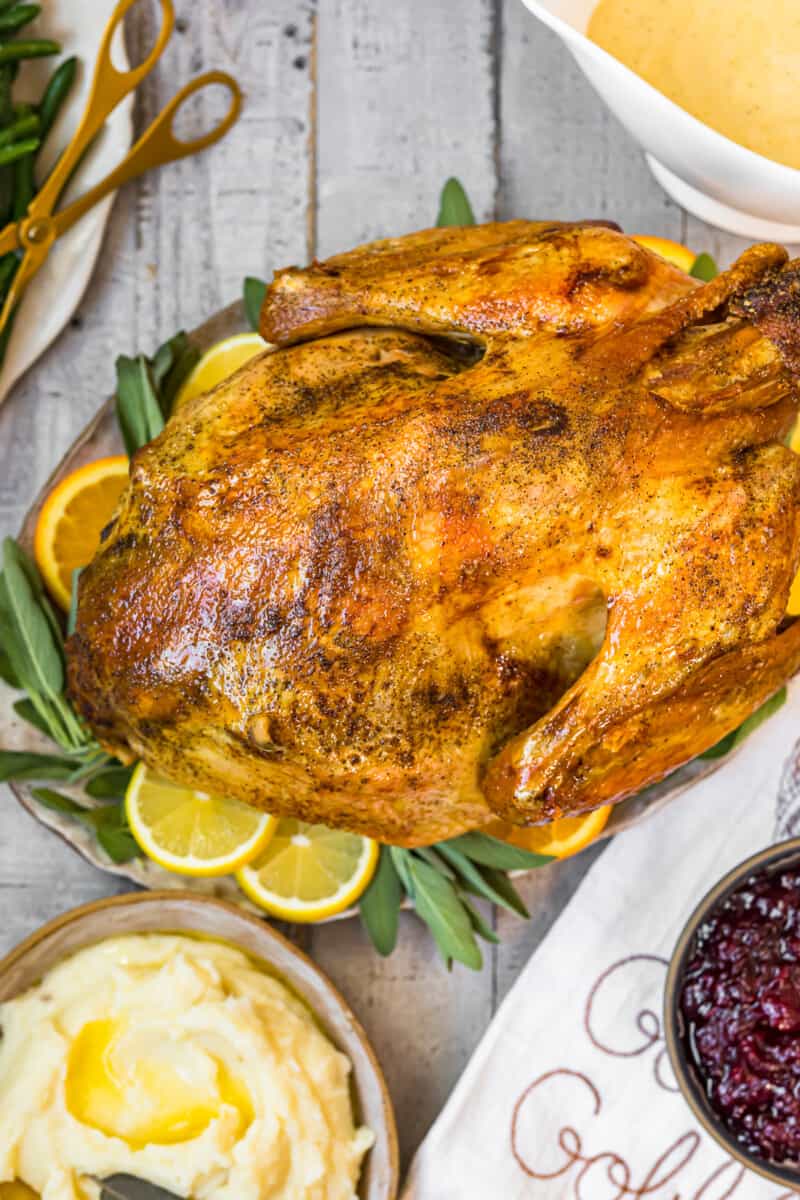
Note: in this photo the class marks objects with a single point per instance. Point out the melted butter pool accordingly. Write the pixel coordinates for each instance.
(146, 1087)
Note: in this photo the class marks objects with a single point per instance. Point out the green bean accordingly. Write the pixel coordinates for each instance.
(35, 48)
(14, 18)
(10, 154)
(24, 186)
(7, 73)
(6, 103)
(21, 127)
(8, 269)
(56, 93)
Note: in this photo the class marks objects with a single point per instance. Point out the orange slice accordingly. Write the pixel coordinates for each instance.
(794, 596)
(559, 839)
(72, 519)
(674, 252)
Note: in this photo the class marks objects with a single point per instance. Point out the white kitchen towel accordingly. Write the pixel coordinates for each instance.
(56, 291)
(570, 1095)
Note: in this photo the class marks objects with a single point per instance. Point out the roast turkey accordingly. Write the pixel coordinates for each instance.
(505, 526)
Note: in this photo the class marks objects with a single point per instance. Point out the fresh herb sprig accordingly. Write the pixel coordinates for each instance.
(107, 822)
(32, 660)
(147, 387)
(439, 881)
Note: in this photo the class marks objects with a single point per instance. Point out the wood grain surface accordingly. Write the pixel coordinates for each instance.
(355, 113)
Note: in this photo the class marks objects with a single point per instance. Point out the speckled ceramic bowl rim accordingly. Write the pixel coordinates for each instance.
(773, 858)
(186, 912)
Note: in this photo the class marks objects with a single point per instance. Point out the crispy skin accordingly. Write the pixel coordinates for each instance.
(380, 581)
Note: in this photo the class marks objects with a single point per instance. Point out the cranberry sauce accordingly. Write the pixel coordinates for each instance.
(740, 1000)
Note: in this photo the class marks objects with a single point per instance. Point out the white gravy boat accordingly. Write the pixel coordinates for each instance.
(705, 172)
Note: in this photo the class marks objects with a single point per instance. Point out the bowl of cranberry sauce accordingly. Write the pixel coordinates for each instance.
(732, 1012)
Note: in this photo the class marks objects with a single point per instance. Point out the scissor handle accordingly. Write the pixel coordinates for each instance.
(157, 145)
(109, 86)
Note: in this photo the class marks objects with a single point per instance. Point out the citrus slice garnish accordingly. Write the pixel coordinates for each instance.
(219, 362)
(674, 252)
(72, 519)
(559, 838)
(309, 872)
(191, 832)
(793, 608)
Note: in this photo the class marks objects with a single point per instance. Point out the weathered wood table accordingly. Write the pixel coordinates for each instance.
(356, 112)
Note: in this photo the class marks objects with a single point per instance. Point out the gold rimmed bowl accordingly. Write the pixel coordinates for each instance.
(188, 913)
(677, 1033)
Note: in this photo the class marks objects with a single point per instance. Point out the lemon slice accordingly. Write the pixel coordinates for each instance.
(309, 872)
(219, 362)
(191, 832)
(72, 518)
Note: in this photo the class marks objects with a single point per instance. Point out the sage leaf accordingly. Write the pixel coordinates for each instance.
(481, 927)
(109, 823)
(72, 618)
(704, 268)
(400, 860)
(23, 764)
(110, 784)
(138, 411)
(56, 802)
(502, 884)
(380, 905)
(454, 205)
(184, 358)
(162, 362)
(472, 875)
(28, 712)
(491, 852)
(737, 736)
(118, 842)
(43, 669)
(254, 292)
(436, 902)
(7, 673)
(31, 571)
(432, 856)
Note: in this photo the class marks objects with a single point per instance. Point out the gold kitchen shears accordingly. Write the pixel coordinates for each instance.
(39, 228)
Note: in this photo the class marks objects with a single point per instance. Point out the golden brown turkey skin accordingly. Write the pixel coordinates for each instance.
(377, 581)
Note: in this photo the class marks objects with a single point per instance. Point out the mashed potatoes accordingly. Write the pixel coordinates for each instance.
(180, 1062)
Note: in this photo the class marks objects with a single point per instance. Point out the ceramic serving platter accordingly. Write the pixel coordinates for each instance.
(101, 438)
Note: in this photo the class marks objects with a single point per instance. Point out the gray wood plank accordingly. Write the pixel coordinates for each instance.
(405, 99)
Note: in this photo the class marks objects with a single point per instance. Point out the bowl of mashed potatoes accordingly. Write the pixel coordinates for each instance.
(181, 1041)
(709, 91)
